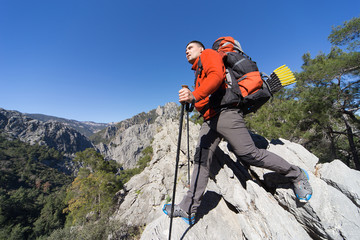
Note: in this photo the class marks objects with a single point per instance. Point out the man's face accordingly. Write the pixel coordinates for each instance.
(193, 50)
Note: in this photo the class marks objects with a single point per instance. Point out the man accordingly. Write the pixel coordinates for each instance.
(228, 124)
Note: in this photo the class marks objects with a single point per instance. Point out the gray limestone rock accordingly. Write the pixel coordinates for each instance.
(125, 141)
(241, 203)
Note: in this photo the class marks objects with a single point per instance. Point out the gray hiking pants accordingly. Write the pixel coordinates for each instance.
(230, 125)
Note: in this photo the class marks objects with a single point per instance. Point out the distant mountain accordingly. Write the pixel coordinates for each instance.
(87, 128)
(53, 134)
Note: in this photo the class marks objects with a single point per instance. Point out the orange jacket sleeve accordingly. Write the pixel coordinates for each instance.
(212, 76)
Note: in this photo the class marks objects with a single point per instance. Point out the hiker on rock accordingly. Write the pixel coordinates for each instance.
(227, 123)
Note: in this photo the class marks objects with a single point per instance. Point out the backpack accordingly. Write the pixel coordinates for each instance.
(246, 88)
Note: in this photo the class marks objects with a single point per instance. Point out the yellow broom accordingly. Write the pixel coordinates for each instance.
(282, 76)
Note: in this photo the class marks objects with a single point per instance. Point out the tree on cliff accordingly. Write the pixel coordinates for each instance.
(91, 194)
(321, 110)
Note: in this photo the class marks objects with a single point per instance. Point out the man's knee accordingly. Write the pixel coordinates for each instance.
(251, 159)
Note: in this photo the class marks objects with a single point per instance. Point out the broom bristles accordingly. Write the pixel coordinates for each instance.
(280, 77)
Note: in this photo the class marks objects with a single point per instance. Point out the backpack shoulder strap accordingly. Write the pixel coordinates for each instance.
(198, 70)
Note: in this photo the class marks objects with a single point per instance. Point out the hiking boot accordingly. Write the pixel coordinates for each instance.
(302, 187)
(178, 212)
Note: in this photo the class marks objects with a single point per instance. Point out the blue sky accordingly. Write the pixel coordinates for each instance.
(109, 60)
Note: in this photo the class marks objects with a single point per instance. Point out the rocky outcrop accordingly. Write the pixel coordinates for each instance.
(124, 141)
(241, 202)
(53, 134)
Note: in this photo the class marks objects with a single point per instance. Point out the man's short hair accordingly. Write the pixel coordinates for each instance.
(197, 42)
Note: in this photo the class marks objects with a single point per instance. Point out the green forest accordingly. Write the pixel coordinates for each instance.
(31, 193)
(39, 202)
(321, 112)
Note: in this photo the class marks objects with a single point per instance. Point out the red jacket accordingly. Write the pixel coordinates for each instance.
(211, 78)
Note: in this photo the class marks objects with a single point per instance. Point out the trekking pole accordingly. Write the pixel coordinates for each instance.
(189, 108)
(188, 145)
(176, 166)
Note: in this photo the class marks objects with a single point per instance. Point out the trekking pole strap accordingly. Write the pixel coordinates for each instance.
(189, 107)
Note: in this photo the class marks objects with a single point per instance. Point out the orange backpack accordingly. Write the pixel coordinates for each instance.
(245, 88)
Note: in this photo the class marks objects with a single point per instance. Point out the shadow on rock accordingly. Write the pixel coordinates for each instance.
(209, 202)
(274, 180)
(260, 141)
(277, 142)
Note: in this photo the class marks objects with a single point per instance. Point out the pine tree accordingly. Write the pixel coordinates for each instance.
(321, 111)
(91, 194)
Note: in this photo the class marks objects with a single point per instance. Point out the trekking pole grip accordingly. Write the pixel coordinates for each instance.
(184, 86)
(188, 107)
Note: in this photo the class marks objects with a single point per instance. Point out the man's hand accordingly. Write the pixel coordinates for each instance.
(185, 95)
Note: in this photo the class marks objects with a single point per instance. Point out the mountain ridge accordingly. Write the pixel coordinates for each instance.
(87, 128)
(53, 134)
